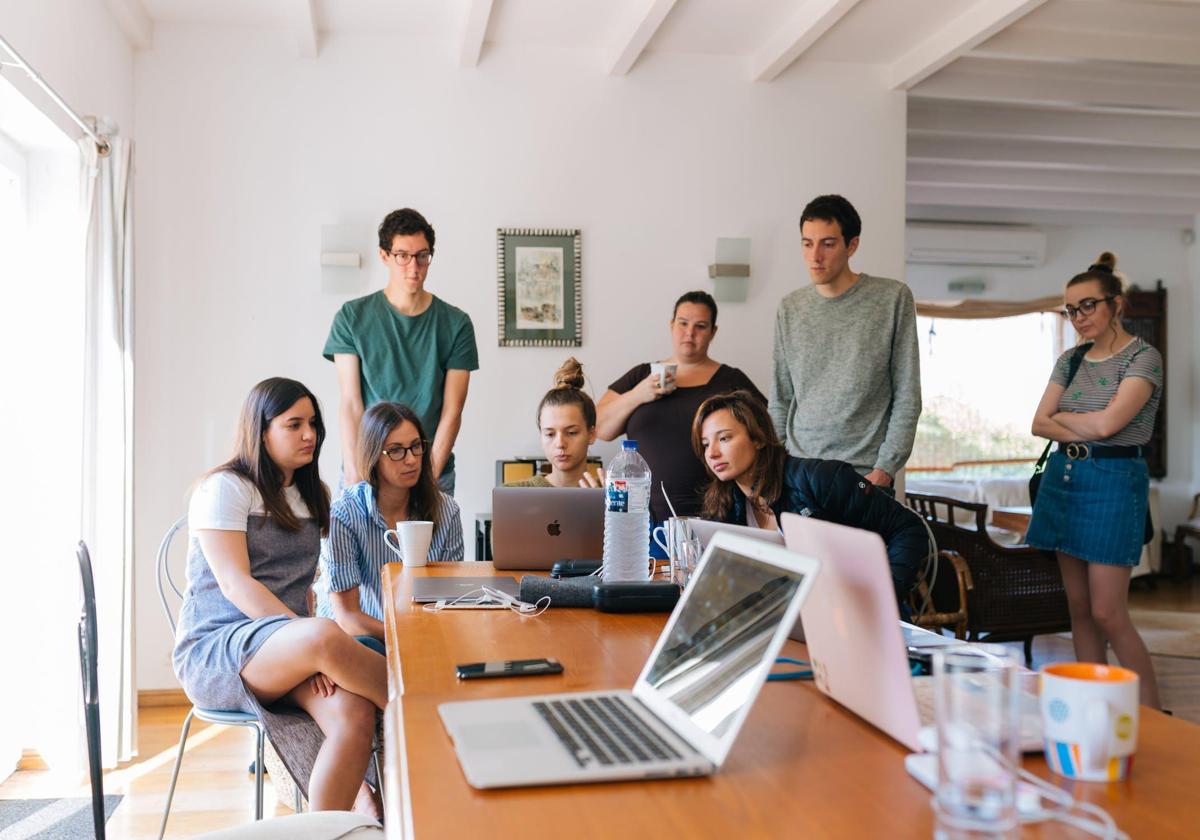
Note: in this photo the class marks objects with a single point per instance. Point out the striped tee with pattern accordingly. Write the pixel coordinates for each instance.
(1096, 383)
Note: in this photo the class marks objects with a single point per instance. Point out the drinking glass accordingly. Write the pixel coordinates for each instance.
(687, 555)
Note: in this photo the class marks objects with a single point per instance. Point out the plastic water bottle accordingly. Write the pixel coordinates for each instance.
(627, 516)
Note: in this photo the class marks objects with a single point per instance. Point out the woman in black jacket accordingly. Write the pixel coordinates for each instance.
(733, 435)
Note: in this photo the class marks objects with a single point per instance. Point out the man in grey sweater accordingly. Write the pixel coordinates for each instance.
(846, 380)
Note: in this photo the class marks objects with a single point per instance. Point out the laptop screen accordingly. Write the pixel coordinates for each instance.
(706, 667)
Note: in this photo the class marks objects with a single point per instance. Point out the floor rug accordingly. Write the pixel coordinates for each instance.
(1167, 632)
(50, 819)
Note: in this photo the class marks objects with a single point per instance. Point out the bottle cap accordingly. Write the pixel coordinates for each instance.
(629, 444)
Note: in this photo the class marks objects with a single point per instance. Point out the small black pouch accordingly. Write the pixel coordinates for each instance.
(647, 596)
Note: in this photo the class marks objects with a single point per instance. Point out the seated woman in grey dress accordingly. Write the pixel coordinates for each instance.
(394, 455)
(244, 640)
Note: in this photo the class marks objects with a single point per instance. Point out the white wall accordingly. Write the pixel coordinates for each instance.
(79, 50)
(1145, 255)
(246, 151)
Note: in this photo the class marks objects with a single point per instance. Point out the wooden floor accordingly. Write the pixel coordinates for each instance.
(215, 791)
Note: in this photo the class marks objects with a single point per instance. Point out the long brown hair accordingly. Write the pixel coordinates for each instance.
(379, 421)
(766, 475)
(568, 390)
(266, 401)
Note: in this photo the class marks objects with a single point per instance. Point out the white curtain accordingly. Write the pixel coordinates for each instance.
(107, 525)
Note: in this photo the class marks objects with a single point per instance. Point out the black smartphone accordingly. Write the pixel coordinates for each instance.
(510, 668)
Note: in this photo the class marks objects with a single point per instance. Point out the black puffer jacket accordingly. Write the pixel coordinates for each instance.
(832, 491)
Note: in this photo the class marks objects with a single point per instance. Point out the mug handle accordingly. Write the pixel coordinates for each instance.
(662, 543)
(395, 548)
(1097, 724)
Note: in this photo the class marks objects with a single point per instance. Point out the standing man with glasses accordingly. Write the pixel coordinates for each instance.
(846, 375)
(403, 344)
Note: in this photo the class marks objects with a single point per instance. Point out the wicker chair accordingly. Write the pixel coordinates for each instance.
(1014, 592)
(941, 602)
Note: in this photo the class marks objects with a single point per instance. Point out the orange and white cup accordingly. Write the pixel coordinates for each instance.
(1089, 720)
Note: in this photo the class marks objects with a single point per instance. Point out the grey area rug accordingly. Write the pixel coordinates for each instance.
(51, 819)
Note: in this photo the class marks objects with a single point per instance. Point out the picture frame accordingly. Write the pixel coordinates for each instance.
(539, 299)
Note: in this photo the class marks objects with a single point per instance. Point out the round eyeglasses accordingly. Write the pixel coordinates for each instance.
(398, 452)
(423, 258)
(1086, 307)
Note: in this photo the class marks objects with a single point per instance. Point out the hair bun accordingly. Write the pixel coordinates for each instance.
(1106, 262)
(569, 374)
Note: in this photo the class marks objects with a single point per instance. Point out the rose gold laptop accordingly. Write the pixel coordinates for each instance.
(855, 638)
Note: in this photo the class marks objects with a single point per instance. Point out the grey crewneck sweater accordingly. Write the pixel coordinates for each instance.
(846, 376)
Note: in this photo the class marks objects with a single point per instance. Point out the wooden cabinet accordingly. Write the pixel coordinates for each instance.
(1146, 317)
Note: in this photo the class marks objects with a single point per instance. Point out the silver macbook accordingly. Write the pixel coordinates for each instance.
(704, 529)
(535, 527)
(856, 641)
(688, 704)
(461, 590)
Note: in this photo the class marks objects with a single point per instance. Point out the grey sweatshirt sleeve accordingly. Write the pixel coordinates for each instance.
(780, 398)
(906, 389)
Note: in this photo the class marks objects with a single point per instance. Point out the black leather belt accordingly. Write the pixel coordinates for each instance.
(1084, 451)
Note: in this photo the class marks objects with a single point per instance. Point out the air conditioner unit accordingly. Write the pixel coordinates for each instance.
(1005, 245)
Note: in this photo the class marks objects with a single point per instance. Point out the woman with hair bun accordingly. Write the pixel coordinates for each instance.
(566, 420)
(1092, 501)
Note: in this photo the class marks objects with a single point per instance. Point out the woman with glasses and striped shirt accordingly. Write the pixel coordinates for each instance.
(400, 486)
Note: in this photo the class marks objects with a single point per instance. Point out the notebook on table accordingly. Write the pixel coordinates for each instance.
(688, 704)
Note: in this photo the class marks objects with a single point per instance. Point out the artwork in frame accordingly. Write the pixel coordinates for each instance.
(539, 295)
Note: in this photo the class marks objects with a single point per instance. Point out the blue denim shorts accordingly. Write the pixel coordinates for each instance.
(1093, 509)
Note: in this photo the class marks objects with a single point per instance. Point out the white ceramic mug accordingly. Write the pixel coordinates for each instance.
(1090, 720)
(668, 534)
(412, 542)
(665, 371)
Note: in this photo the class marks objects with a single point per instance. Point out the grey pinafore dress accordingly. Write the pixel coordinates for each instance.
(215, 640)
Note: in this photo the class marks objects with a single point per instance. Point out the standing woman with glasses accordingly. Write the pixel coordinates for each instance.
(245, 641)
(399, 486)
(1092, 502)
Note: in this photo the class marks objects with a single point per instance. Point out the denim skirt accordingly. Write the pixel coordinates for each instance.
(1093, 509)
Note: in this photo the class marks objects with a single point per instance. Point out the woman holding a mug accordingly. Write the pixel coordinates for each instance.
(654, 404)
(245, 641)
(400, 487)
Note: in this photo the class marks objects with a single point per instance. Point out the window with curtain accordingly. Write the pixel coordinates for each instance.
(981, 380)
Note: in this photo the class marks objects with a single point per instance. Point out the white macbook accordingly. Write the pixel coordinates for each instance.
(688, 704)
(535, 527)
(704, 529)
(856, 641)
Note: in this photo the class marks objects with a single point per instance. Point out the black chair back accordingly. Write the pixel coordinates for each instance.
(88, 646)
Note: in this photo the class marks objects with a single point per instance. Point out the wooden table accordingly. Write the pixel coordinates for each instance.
(1012, 518)
(802, 764)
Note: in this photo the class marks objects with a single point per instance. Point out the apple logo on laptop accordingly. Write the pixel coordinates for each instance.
(554, 529)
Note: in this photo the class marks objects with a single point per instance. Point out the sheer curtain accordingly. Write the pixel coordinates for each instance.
(107, 511)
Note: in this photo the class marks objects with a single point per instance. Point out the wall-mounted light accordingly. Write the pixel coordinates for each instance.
(342, 248)
(731, 272)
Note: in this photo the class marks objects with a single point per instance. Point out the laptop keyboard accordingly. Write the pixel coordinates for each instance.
(603, 729)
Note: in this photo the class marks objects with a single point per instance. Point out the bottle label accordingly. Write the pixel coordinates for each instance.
(617, 495)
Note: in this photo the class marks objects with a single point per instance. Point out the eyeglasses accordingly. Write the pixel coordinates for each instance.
(1086, 306)
(398, 452)
(423, 258)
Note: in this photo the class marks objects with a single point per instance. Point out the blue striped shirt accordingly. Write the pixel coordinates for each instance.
(354, 553)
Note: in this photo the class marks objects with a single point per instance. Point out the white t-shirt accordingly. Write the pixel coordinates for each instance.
(225, 501)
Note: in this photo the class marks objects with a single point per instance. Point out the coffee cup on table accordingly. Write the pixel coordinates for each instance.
(666, 375)
(412, 542)
(1089, 720)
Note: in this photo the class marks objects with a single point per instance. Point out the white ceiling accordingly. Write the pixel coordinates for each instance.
(1019, 110)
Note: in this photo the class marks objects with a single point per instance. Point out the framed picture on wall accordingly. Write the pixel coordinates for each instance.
(538, 298)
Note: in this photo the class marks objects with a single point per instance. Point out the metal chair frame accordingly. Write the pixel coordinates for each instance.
(88, 672)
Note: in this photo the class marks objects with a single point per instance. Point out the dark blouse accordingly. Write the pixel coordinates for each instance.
(663, 431)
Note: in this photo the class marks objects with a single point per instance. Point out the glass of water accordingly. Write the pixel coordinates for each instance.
(687, 555)
(976, 697)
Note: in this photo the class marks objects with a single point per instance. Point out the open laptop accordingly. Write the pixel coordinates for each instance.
(535, 527)
(705, 529)
(856, 641)
(688, 704)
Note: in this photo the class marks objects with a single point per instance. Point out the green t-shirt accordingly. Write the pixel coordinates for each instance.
(404, 358)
